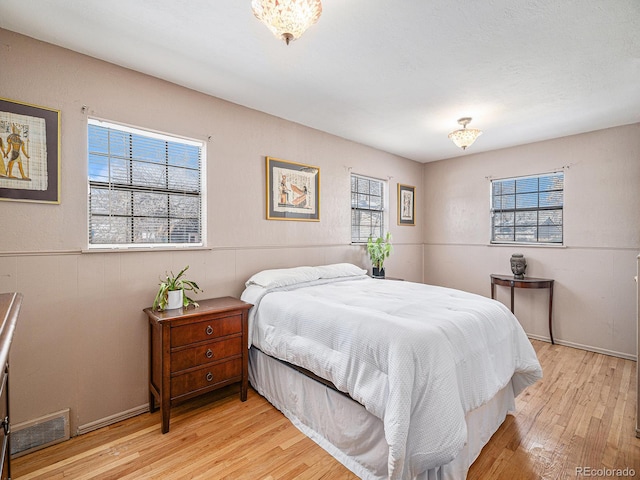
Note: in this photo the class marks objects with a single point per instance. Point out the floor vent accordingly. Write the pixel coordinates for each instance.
(39, 433)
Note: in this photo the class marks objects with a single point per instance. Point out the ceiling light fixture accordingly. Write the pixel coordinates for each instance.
(464, 137)
(287, 19)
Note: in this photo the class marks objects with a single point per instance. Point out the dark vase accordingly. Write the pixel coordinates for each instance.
(378, 272)
(518, 265)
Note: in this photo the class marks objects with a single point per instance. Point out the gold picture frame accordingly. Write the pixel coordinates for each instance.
(293, 191)
(29, 152)
(406, 205)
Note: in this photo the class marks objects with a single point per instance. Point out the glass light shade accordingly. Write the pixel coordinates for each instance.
(464, 137)
(287, 19)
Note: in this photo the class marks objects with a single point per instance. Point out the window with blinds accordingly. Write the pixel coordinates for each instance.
(145, 188)
(367, 208)
(528, 209)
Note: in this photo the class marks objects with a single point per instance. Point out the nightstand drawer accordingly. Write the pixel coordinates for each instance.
(207, 353)
(202, 331)
(204, 377)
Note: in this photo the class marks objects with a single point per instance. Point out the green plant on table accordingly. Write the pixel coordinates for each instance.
(175, 282)
(379, 250)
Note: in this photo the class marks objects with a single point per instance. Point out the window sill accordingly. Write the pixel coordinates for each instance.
(526, 245)
(146, 248)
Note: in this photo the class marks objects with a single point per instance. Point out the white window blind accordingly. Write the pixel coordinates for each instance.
(367, 208)
(145, 188)
(528, 209)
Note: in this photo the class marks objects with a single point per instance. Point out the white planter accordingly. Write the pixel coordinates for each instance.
(174, 299)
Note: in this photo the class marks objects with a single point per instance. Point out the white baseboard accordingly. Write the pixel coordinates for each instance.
(89, 427)
(589, 348)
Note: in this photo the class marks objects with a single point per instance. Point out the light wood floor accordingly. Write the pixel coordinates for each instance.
(582, 414)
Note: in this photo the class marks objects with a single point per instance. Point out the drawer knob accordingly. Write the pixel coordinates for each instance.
(209, 377)
(209, 330)
(209, 353)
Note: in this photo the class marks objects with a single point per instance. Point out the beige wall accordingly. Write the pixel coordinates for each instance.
(81, 342)
(594, 301)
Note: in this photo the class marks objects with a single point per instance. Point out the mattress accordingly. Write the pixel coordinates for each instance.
(417, 357)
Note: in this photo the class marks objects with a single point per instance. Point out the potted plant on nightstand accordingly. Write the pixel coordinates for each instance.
(171, 293)
(379, 250)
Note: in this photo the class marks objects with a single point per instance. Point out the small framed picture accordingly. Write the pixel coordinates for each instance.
(29, 152)
(293, 191)
(406, 205)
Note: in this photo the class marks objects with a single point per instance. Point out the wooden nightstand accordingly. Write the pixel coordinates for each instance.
(196, 350)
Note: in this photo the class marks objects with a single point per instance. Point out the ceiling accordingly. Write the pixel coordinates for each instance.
(392, 75)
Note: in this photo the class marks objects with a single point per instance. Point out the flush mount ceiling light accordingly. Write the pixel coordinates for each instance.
(464, 137)
(287, 19)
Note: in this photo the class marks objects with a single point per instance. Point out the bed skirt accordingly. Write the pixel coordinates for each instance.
(352, 435)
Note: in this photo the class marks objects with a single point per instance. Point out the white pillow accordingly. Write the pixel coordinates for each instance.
(283, 276)
(338, 270)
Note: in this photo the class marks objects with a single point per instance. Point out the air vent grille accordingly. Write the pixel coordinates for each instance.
(42, 432)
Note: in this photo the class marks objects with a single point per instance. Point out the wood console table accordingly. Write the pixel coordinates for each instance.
(527, 282)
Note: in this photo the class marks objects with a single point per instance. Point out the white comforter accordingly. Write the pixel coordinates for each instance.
(416, 356)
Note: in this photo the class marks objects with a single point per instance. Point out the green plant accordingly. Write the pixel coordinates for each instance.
(175, 282)
(379, 249)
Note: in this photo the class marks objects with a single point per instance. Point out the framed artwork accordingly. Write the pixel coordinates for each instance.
(293, 191)
(406, 205)
(29, 152)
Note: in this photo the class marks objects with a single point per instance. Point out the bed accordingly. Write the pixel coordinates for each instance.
(394, 379)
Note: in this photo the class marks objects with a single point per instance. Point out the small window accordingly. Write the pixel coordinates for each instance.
(367, 208)
(145, 188)
(528, 209)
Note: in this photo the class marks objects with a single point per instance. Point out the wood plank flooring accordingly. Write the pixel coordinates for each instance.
(581, 415)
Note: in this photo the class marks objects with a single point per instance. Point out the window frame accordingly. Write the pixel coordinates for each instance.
(384, 199)
(165, 137)
(537, 209)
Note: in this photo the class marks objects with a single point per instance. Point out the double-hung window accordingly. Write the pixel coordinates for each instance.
(528, 209)
(367, 208)
(145, 188)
